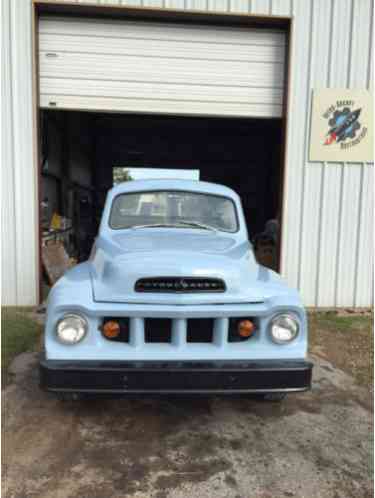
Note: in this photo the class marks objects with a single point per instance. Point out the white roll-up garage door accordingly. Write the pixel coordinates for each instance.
(131, 66)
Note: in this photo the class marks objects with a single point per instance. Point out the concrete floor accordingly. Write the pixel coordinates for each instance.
(316, 444)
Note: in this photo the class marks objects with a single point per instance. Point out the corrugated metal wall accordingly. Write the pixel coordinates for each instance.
(18, 173)
(327, 250)
(328, 230)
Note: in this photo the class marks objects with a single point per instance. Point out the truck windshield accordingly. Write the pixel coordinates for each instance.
(175, 209)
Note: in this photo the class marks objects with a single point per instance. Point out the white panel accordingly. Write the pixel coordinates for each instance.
(329, 245)
(168, 49)
(362, 260)
(360, 43)
(157, 31)
(144, 106)
(260, 6)
(152, 3)
(196, 4)
(313, 173)
(370, 69)
(328, 257)
(281, 7)
(116, 90)
(174, 4)
(299, 94)
(310, 233)
(239, 6)
(135, 3)
(365, 256)
(349, 212)
(218, 5)
(189, 70)
(22, 166)
(349, 70)
(8, 227)
(341, 36)
(330, 211)
(196, 70)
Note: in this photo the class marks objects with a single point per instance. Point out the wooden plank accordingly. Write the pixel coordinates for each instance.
(55, 260)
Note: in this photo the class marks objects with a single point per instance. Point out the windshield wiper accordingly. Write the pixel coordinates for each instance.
(154, 225)
(176, 225)
(198, 225)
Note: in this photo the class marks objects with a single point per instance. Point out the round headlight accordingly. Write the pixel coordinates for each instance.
(71, 329)
(284, 328)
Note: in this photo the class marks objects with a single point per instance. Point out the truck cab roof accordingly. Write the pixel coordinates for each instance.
(172, 184)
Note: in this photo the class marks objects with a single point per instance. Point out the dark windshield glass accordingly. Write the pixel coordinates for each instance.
(173, 208)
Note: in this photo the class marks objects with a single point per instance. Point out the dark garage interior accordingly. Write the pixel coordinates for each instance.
(80, 149)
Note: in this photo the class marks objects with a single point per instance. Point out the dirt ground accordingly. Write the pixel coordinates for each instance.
(346, 339)
(314, 445)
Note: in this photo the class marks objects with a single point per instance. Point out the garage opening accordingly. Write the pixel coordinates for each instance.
(81, 152)
(129, 95)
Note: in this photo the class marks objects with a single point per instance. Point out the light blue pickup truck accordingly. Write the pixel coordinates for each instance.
(173, 301)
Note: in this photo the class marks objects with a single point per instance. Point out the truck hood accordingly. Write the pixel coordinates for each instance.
(119, 261)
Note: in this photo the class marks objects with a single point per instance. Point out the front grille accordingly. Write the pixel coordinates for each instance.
(178, 333)
(200, 330)
(158, 330)
(180, 284)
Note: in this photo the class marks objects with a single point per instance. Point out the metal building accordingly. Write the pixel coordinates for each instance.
(265, 72)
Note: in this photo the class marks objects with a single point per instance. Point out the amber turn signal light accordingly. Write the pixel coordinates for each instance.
(246, 328)
(111, 329)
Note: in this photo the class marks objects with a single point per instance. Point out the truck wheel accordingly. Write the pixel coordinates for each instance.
(275, 397)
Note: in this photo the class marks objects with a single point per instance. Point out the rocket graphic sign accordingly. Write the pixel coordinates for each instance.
(344, 125)
(341, 127)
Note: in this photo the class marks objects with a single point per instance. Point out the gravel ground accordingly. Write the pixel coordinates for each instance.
(314, 445)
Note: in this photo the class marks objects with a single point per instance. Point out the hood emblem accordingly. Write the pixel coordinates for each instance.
(178, 284)
(184, 284)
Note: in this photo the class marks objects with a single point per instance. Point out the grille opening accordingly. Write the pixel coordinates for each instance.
(124, 329)
(200, 330)
(180, 284)
(233, 334)
(158, 330)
